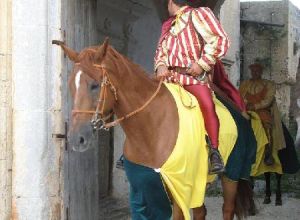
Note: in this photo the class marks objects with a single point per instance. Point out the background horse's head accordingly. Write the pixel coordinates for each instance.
(86, 87)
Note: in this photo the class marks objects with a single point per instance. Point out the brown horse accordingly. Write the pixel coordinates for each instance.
(152, 130)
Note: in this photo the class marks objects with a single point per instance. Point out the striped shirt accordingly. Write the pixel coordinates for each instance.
(195, 36)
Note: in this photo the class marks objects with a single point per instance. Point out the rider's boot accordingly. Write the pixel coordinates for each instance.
(216, 164)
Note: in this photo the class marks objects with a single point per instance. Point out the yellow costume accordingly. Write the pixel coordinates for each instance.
(266, 123)
(185, 171)
(264, 104)
(259, 167)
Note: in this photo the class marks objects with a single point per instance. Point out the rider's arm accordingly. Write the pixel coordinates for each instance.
(160, 58)
(216, 42)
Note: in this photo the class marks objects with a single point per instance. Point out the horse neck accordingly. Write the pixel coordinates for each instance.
(144, 143)
(134, 89)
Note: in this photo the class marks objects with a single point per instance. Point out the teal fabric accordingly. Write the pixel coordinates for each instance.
(288, 156)
(148, 198)
(243, 154)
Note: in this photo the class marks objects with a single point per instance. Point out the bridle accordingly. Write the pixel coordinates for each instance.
(99, 121)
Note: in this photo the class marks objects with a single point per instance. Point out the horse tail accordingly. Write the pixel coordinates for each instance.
(244, 201)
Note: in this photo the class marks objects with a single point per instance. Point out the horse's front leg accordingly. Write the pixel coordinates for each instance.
(199, 213)
(267, 199)
(278, 200)
(229, 194)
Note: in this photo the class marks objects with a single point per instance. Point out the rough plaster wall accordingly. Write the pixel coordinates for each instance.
(5, 110)
(36, 110)
(263, 46)
(230, 20)
(295, 106)
(294, 66)
(145, 31)
(294, 38)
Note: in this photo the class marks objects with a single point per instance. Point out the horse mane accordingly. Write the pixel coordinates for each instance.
(130, 65)
(87, 60)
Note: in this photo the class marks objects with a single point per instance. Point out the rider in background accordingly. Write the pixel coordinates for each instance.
(191, 41)
(259, 96)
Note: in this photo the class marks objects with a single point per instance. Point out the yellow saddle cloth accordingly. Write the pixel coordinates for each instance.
(186, 171)
(259, 167)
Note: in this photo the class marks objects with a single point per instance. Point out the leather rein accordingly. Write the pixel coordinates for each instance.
(99, 121)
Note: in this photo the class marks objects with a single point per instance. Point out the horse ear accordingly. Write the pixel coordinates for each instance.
(102, 50)
(71, 54)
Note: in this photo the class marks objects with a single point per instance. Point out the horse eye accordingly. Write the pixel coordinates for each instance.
(94, 86)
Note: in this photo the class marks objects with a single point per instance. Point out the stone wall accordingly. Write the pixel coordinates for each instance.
(267, 32)
(36, 106)
(231, 24)
(5, 110)
(294, 68)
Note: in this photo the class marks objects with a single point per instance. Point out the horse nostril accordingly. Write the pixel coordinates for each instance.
(81, 140)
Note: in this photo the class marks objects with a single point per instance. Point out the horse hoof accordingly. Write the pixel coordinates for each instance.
(278, 202)
(267, 200)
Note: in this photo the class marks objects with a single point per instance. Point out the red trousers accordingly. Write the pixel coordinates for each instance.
(211, 121)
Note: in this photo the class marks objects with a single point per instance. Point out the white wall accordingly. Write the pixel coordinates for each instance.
(5, 110)
(36, 109)
(230, 20)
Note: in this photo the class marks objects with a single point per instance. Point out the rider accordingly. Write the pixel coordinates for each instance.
(259, 96)
(192, 40)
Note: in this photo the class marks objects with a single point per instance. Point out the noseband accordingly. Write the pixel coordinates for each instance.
(98, 121)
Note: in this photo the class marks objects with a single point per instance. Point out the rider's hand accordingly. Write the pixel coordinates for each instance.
(250, 107)
(195, 69)
(162, 72)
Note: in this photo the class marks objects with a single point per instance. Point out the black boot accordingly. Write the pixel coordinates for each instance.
(216, 164)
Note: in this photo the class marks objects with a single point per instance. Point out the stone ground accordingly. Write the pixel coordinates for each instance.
(290, 210)
(112, 209)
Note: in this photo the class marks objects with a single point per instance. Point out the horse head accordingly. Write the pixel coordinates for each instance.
(92, 92)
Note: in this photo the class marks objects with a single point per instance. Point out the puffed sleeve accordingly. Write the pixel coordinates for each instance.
(216, 42)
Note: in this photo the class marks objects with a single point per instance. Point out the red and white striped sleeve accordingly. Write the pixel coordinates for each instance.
(160, 56)
(216, 42)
